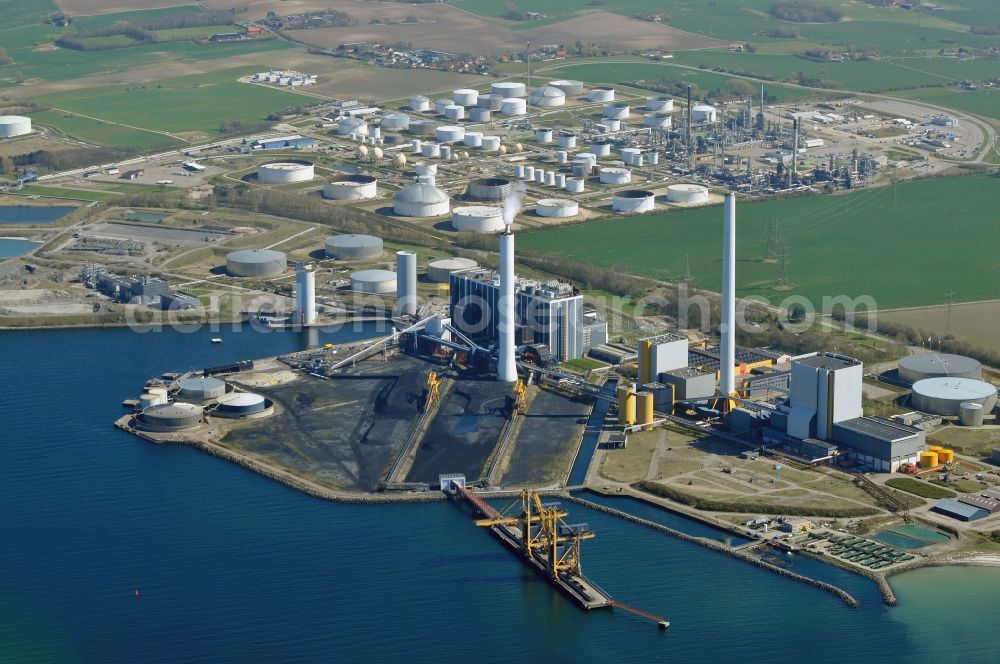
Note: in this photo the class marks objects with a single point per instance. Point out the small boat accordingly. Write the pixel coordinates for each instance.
(216, 340)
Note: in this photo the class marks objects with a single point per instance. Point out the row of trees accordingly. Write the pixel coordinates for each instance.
(802, 11)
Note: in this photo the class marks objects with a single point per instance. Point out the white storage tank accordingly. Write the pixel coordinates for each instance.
(932, 365)
(449, 133)
(397, 121)
(374, 281)
(147, 400)
(687, 193)
(431, 150)
(504, 89)
(480, 114)
(427, 179)
(574, 185)
(352, 127)
(543, 135)
(657, 120)
(489, 189)
(454, 112)
(201, 388)
(560, 181)
(611, 175)
(421, 200)
(170, 417)
(611, 124)
(423, 128)
(353, 247)
(440, 105)
(285, 172)
(439, 271)
(566, 140)
(478, 219)
(473, 139)
(547, 97)
(633, 200)
(419, 103)
(242, 404)
(513, 106)
(489, 102)
(971, 414)
(14, 125)
(465, 97)
(529, 173)
(616, 110)
(540, 175)
(703, 113)
(557, 207)
(588, 158)
(944, 396)
(601, 95)
(659, 104)
(629, 155)
(256, 263)
(491, 143)
(550, 178)
(600, 148)
(425, 168)
(570, 88)
(350, 187)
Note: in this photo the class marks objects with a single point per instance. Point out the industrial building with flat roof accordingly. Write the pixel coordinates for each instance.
(879, 443)
(548, 314)
(960, 511)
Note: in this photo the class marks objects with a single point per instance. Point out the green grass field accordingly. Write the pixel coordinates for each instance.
(984, 101)
(103, 133)
(188, 104)
(919, 488)
(941, 235)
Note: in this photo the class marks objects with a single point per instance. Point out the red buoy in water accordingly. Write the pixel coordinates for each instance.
(137, 593)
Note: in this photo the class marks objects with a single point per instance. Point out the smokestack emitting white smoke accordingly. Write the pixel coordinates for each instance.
(506, 366)
(727, 329)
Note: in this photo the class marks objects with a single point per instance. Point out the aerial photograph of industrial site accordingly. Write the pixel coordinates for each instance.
(503, 330)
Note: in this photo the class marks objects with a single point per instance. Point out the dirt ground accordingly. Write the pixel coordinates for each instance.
(88, 7)
(449, 29)
(974, 323)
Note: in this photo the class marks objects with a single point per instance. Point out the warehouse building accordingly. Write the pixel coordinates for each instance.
(878, 443)
(689, 383)
(550, 314)
(292, 142)
(960, 511)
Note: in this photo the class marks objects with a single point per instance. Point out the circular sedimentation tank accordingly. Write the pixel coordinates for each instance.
(374, 281)
(353, 247)
(687, 193)
(944, 396)
(350, 187)
(171, 417)
(421, 200)
(913, 368)
(256, 263)
(557, 207)
(477, 219)
(285, 172)
(489, 189)
(633, 200)
(201, 388)
(439, 271)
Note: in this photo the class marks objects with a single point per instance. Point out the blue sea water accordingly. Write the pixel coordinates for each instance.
(232, 567)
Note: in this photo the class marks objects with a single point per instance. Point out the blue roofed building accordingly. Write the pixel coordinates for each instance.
(957, 510)
(283, 142)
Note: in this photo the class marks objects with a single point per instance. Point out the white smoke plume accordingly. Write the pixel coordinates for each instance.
(512, 205)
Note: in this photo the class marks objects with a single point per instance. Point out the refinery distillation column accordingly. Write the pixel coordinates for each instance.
(727, 330)
(406, 283)
(305, 294)
(506, 368)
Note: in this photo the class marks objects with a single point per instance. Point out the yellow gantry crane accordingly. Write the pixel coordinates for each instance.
(545, 535)
(433, 389)
(520, 396)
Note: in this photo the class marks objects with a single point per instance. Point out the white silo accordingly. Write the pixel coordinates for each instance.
(406, 283)
(465, 97)
(305, 294)
(567, 140)
(454, 112)
(543, 135)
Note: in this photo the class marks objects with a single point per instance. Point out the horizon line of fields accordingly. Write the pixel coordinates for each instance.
(910, 249)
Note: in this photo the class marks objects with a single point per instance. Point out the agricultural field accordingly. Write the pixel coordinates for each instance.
(900, 252)
(87, 7)
(184, 106)
(975, 323)
(98, 132)
(984, 101)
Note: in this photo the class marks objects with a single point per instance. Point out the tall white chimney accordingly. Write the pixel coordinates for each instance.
(305, 294)
(506, 367)
(727, 329)
(406, 283)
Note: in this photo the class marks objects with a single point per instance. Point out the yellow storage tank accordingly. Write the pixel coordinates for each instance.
(928, 460)
(946, 456)
(626, 406)
(644, 409)
(934, 448)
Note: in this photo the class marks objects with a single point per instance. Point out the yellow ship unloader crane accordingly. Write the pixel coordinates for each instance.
(545, 535)
(520, 395)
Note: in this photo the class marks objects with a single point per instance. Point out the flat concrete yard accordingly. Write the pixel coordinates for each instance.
(464, 431)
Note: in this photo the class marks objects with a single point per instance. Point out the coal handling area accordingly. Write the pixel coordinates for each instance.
(372, 426)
